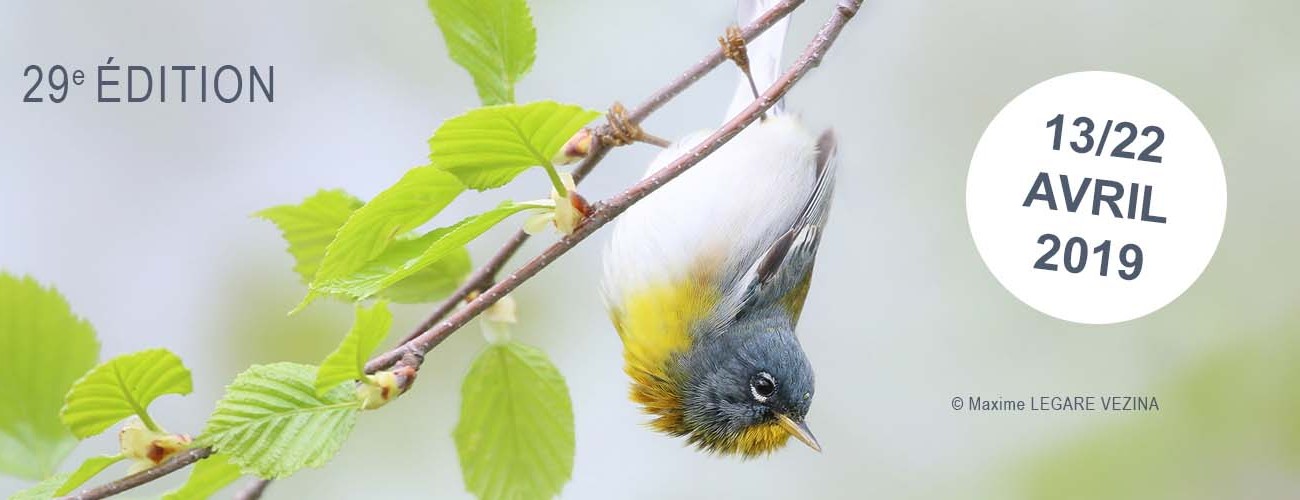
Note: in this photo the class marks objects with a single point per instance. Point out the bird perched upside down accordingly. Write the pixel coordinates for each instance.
(706, 277)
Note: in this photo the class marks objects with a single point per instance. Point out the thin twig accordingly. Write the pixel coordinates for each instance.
(606, 211)
(480, 280)
(173, 464)
(254, 490)
(485, 276)
(704, 66)
(411, 353)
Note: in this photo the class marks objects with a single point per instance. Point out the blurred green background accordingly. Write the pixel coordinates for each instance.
(139, 214)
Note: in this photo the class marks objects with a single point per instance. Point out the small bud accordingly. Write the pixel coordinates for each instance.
(497, 319)
(146, 447)
(385, 386)
(570, 211)
(577, 210)
(577, 148)
(503, 311)
(733, 47)
(565, 213)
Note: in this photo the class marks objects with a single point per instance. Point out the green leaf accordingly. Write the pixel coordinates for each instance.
(348, 361)
(122, 387)
(310, 226)
(429, 284)
(63, 483)
(438, 244)
(43, 490)
(412, 201)
(272, 423)
(487, 147)
(435, 280)
(210, 475)
(515, 435)
(492, 39)
(91, 467)
(44, 347)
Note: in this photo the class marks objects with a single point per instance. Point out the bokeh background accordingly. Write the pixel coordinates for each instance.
(139, 214)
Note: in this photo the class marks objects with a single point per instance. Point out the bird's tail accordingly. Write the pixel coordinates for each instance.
(764, 55)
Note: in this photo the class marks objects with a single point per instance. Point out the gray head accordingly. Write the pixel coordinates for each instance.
(748, 387)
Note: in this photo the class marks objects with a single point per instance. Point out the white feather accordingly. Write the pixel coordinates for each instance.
(732, 204)
(764, 55)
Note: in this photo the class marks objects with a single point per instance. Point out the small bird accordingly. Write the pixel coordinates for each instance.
(705, 278)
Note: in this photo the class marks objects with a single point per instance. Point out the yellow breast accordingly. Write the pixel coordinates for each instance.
(655, 324)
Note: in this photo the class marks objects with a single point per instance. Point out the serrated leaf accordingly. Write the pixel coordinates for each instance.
(440, 244)
(210, 475)
(44, 348)
(43, 490)
(310, 226)
(91, 467)
(412, 201)
(271, 422)
(515, 435)
(348, 361)
(122, 387)
(492, 39)
(487, 147)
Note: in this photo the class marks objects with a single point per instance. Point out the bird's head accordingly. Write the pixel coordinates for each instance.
(748, 389)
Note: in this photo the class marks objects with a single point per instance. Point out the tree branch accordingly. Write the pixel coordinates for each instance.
(434, 329)
(485, 276)
(173, 464)
(254, 490)
(611, 208)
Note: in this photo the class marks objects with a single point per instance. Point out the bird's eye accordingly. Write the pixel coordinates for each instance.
(762, 386)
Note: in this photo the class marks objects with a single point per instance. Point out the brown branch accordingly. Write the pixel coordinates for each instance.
(480, 280)
(606, 211)
(173, 464)
(254, 490)
(704, 66)
(434, 330)
(485, 276)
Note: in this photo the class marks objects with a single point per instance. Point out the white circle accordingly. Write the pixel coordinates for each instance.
(1019, 155)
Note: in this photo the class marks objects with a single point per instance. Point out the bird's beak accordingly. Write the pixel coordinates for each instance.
(799, 430)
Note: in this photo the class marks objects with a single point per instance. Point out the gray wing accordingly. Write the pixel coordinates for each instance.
(788, 262)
